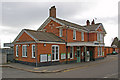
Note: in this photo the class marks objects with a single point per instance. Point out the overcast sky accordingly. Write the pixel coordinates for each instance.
(30, 15)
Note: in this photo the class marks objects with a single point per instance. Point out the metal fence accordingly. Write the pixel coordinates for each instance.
(9, 53)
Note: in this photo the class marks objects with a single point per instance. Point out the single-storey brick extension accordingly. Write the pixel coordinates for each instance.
(59, 41)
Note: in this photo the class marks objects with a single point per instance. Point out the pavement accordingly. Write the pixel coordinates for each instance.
(58, 68)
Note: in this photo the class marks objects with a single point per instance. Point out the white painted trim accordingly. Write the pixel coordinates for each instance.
(72, 52)
(56, 21)
(55, 52)
(47, 21)
(17, 51)
(22, 50)
(98, 26)
(16, 39)
(60, 26)
(82, 36)
(83, 44)
(22, 33)
(30, 35)
(32, 51)
(60, 32)
(39, 42)
(73, 34)
(24, 42)
(70, 27)
(50, 42)
(44, 24)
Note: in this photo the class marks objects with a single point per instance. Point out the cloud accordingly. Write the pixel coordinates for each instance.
(19, 15)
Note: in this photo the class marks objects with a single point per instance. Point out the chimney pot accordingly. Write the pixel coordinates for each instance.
(93, 22)
(88, 22)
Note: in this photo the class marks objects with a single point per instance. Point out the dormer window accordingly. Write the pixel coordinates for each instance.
(74, 34)
(82, 36)
(60, 33)
(100, 37)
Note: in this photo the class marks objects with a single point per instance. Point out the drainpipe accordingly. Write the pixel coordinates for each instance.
(66, 46)
(36, 55)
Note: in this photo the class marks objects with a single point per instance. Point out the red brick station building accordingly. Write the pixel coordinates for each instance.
(59, 41)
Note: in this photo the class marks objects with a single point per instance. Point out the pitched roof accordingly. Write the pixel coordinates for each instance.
(92, 27)
(115, 42)
(71, 24)
(42, 36)
(62, 22)
(67, 23)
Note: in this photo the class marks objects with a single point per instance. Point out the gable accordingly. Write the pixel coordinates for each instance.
(24, 37)
(51, 25)
(47, 21)
(100, 28)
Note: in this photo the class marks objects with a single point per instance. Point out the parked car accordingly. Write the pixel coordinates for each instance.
(114, 52)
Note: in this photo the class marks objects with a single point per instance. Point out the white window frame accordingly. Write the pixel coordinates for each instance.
(82, 36)
(101, 37)
(55, 53)
(72, 52)
(33, 51)
(16, 50)
(98, 36)
(25, 50)
(74, 33)
(61, 32)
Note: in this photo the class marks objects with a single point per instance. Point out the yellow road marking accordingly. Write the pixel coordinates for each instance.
(35, 68)
(94, 64)
(44, 70)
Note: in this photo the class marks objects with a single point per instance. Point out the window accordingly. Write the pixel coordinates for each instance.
(16, 50)
(82, 34)
(99, 51)
(61, 33)
(74, 34)
(71, 52)
(101, 37)
(98, 36)
(24, 51)
(33, 51)
(55, 52)
(53, 49)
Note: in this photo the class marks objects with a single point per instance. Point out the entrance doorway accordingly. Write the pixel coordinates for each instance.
(78, 54)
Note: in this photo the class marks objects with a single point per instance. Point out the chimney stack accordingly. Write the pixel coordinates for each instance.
(52, 12)
(88, 22)
(93, 22)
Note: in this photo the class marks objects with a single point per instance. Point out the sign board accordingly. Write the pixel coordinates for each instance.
(43, 58)
(68, 55)
(63, 55)
(49, 57)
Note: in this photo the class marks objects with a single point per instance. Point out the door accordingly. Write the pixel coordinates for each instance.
(105, 52)
(78, 54)
(55, 52)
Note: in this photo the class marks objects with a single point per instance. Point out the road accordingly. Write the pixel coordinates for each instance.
(108, 69)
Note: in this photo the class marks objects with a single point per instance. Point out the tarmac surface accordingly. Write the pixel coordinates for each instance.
(105, 68)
